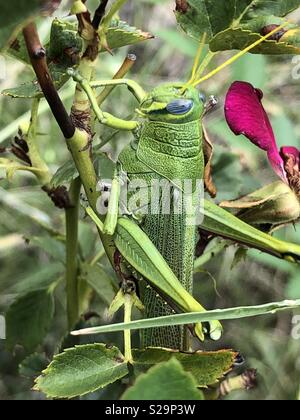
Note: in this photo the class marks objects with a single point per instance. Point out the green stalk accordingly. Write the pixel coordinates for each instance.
(72, 217)
(37, 161)
(192, 318)
(127, 333)
(81, 155)
(78, 144)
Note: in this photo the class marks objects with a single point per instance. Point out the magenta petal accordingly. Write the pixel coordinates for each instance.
(246, 115)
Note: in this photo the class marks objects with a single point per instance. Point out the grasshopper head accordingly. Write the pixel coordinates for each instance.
(169, 103)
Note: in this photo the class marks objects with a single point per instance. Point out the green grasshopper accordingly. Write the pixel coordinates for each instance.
(157, 248)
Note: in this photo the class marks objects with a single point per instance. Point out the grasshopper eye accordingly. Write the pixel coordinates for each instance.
(202, 97)
(180, 106)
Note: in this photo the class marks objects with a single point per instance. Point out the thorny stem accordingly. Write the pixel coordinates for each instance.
(72, 217)
(80, 142)
(37, 56)
(77, 138)
(81, 155)
(81, 109)
(77, 141)
(99, 14)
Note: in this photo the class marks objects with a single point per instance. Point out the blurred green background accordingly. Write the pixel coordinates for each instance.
(239, 168)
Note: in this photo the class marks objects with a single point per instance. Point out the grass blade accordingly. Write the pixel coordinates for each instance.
(195, 317)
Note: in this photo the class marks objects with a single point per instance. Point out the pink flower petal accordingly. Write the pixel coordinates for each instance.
(246, 115)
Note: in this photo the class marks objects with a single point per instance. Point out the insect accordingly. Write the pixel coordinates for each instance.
(270, 28)
(158, 247)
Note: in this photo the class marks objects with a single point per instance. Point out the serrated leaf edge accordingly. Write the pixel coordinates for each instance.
(56, 357)
(199, 352)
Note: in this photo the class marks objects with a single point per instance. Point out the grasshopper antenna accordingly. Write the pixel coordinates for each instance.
(238, 55)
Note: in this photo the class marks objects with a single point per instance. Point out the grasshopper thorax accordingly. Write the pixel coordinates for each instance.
(170, 103)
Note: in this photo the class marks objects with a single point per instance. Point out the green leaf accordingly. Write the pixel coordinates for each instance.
(99, 281)
(81, 370)
(13, 14)
(195, 317)
(29, 319)
(206, 367)
(65, 44)
(235, 25)
(166, 381)
(32, 89)
(63, 51)
(240, 38)
(27, 90)
(120, 34)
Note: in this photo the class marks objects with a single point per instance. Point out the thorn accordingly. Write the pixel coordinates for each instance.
(40, 53)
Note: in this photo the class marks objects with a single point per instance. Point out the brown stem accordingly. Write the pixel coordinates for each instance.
(37, 54)
(99, 14)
